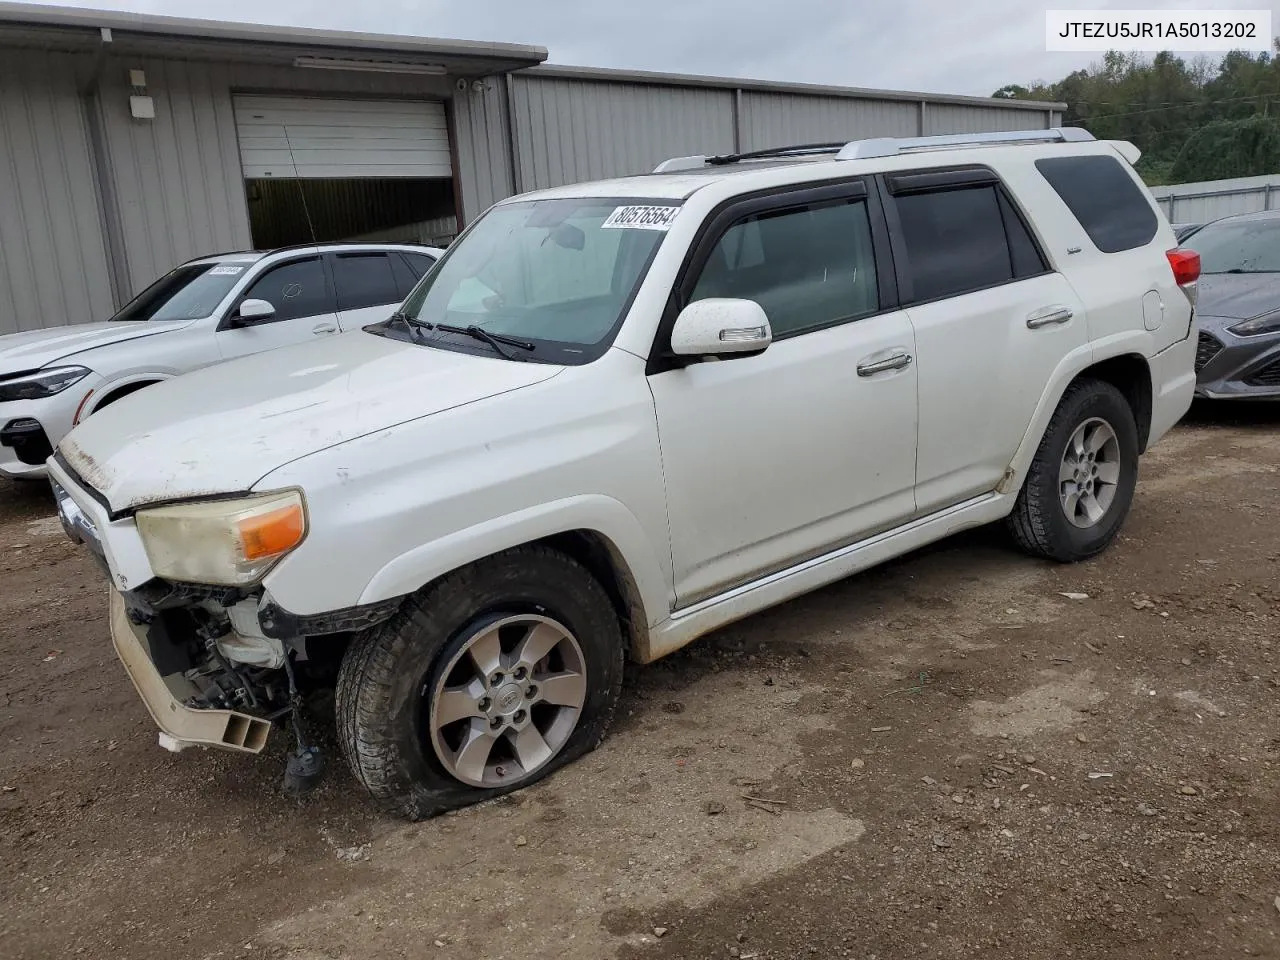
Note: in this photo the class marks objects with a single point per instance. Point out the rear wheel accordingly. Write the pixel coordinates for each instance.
(1080, 485)
(487, 681)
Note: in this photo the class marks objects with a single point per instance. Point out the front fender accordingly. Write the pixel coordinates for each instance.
(598, 514)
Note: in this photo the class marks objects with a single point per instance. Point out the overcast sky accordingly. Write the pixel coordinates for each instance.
(929, 45)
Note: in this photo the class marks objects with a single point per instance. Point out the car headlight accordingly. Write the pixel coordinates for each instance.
(223, 542)
(41, 383)
(1267, 323)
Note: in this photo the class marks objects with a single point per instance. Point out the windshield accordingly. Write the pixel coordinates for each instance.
(1238, 246)
(184, 293)
(556, 273)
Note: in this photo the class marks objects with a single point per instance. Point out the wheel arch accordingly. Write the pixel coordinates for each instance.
(598, 532)
(122, 389)
(1123, 367)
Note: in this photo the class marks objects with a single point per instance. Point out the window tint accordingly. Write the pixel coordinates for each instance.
(807, 266)
(1027, 258)
(296, 289)
(955, 241)
(405, 278)
(364, 280)
(1104, 198)
(420, 263)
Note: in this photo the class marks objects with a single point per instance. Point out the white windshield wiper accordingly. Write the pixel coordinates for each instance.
(495, 340)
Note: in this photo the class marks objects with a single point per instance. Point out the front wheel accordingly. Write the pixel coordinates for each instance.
(1080, 485)
(487, 681)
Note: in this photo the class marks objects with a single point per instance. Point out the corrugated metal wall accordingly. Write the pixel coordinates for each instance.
(778, 119)
(569, 130)
(1210, 199)
(53, 258)
(943, 118)
(483, 145)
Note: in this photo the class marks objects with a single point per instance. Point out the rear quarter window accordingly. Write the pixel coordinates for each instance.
(1110, 206)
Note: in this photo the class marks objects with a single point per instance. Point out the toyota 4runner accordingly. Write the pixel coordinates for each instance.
(618, 415)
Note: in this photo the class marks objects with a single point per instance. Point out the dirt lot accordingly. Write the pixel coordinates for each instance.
(962, 760)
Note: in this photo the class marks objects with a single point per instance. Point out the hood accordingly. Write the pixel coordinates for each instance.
(221, 429)
(33, 349)
(1238, 296)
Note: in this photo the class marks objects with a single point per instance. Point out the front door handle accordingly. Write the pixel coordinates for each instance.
(895, 362)
(322, 328)
(1047, 316)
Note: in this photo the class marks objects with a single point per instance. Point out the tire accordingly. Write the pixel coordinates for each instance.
(1040, 523)
(395, 681)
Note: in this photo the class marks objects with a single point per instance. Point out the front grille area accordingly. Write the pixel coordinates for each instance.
(1268, 376)
(1207, 348)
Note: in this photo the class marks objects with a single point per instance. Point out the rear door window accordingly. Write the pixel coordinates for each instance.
(955, 241)
(364, 280)
(1104, 198)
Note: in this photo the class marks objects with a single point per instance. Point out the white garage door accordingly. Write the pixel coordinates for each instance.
(309, 137)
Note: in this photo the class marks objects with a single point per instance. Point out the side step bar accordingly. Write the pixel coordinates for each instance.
(180, 726)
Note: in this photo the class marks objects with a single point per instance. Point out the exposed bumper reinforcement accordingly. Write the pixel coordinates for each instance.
(180, 725)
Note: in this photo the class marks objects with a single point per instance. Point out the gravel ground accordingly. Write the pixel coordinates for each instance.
(948, 756)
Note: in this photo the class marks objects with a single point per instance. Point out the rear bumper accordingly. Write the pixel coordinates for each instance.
(1173, 386)
(180, 726)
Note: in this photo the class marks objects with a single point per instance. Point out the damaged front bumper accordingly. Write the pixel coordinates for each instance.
(180, 726)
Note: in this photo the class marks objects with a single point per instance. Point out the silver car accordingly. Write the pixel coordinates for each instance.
(1238, 354)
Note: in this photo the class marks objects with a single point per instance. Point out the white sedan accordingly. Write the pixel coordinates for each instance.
(200, 313)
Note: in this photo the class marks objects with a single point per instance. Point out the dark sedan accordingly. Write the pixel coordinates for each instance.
(1238, 355)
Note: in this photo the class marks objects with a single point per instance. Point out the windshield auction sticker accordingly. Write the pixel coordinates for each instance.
(641, 218)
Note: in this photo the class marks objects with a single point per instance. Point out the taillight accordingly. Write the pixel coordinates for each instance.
(1186, 271)
(1185, 264)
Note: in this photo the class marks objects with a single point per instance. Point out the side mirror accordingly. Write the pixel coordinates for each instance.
(254, 311)
(718, 327)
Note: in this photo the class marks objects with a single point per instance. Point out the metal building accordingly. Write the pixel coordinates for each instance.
(131, 143)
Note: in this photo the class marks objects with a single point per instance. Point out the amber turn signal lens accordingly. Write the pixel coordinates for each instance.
(271, 534)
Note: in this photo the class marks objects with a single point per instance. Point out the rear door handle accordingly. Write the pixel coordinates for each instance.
(895, 362)
(1047, 316)
(323, 328)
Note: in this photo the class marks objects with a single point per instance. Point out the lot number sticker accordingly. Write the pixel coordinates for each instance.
(641, 218)
(222, 270)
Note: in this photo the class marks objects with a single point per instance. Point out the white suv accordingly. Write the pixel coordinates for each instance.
(199, 313)
(619, 415)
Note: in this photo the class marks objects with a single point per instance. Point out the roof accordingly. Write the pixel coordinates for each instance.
(31, 22)
(551, 70)
(253, 256)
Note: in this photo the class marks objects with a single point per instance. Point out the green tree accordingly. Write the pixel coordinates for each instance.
(1164, 103)
(1229, 148)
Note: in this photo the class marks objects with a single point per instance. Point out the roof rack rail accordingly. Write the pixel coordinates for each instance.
(883, 147)
(892, 146)
(781, 153)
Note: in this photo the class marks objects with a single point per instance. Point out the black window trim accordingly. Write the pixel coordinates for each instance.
(334, 255)
(952, 178)
(229, 315)
(729, 212)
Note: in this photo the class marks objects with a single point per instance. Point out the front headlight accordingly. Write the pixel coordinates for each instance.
(223, 542)
(1267, 323)
(42, 383)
